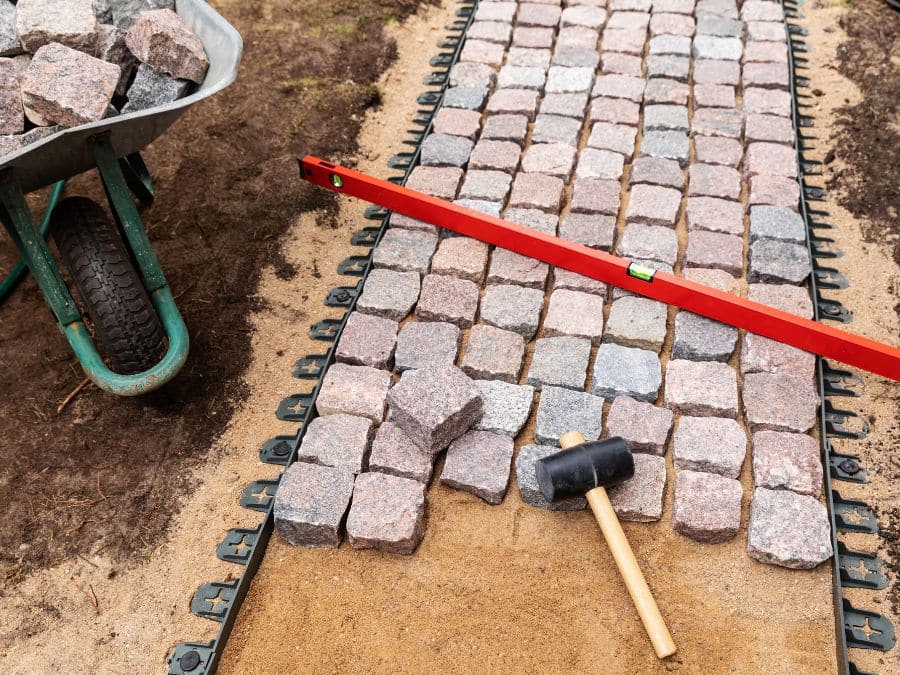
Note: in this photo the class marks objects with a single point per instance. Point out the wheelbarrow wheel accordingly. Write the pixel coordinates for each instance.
(110, 288)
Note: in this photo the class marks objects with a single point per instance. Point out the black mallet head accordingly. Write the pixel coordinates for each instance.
(581, 468)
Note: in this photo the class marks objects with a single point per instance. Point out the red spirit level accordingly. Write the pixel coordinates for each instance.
(755, 317)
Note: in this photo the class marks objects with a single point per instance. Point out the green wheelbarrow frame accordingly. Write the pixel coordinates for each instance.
(121, 179)
(111, 146)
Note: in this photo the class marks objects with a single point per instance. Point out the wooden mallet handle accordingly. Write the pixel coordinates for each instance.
(621, 551)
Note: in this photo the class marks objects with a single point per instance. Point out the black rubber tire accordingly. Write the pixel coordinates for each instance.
(110, 288)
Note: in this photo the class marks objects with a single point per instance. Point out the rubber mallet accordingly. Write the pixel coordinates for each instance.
(588, 469)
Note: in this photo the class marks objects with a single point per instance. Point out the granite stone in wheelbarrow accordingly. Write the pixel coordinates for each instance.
(506, 406)
(526, 477)
(310, 504)
(387, 513)
(355, 390)
(513, 308)
(710, 444)
(111, 47)
(707, 506)
(405, 250)
(701, 388)
(788, 529)
(436, 405)
(12, 115)
(785, 461)
(640, 498)
(15, 142)
(367, 340)
(71, 23)
(125, 12)
(644, 426)
(151, 89)
(493, 354)
(10, 45)
(161, 39)
(389, 294)
(626, 371)
(560, 362)
(67, 87)
(479, 462)
(426, 343)
(340, 441)
(562, 410)
(393, 453)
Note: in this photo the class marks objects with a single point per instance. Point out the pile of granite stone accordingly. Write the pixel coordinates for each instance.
(64, 63)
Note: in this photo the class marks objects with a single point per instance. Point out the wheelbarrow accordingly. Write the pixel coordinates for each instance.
(112, 265)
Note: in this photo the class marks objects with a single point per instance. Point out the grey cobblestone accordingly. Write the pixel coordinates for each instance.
(435, 405)
(657, 171)
(528, 58)
(615, 137)
(448, 299)
(445, 150)
(674, 45)
(461, 257)
(637, 322)
(649, 241)
(511, 268)
(559, 362)
(367, 340)
(484, 184)
(700, 339)
(422, 344)
(718, 48)
(465, 97)
(591, 17)
(626, 371)
(713, 180)
(506, 128)
(577, 282)
(706, 388)
(527, 480)
(715, 250)
(803, 545)
(711, 444)
(563, 410)
(506, 406)
(666, 117)
(572, 57)
(341, 441)
(556, 129)
(562, 80)
(640, 498)
(718, 150)
(310, 504)
(768, 31)
(565, 105)
(533, 218)
(595, 195)
(653, 205)
(592, 230)
(779, 261)
(667, 145)
(776, 222)
(593, 163)
(720, 26)
(493, 354)
(707, 506)
(574, 313)
(644, 426)
(387, 513)
(479, 462)
(669, 66)
(480, 205)
(552, 159)
(783, 461)
(761, 10)
(389, 294)
(779, 402)
(395, 454)
(521, 77)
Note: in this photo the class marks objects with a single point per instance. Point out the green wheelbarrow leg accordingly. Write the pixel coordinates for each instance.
(43, 267)
(18, 272)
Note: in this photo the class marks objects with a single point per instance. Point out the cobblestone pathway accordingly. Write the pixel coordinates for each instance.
(659, 130)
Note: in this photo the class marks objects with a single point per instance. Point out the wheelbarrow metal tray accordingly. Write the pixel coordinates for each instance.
(68, 153)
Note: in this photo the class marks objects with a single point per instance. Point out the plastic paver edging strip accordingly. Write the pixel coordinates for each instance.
(769, 322)
(202, 658)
